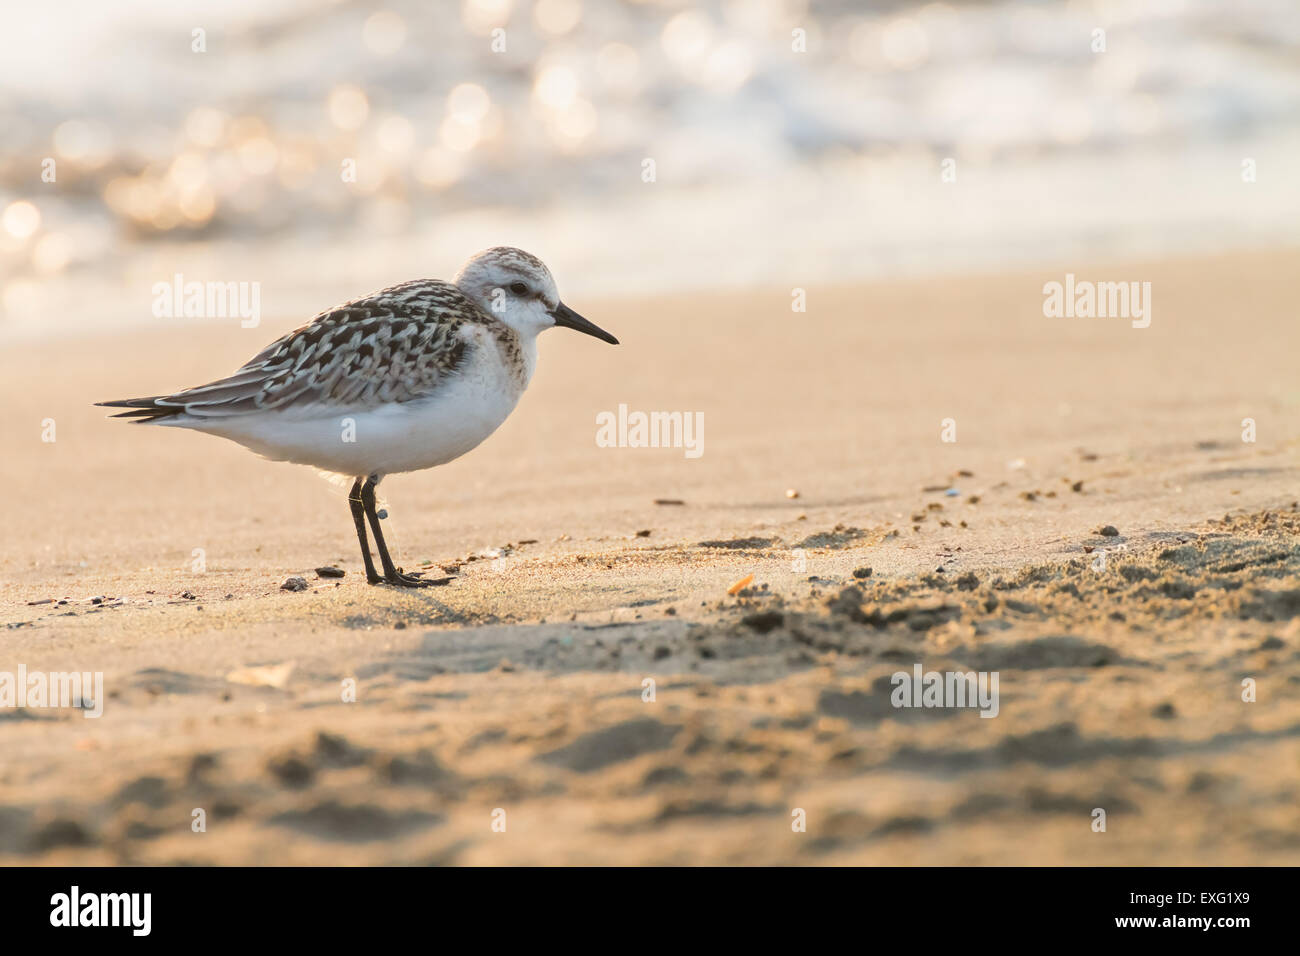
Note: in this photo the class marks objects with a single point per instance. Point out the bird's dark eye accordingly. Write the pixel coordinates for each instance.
(518, 288)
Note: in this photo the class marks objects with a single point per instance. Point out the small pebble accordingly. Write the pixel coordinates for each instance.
(294, 584)
(330, 572)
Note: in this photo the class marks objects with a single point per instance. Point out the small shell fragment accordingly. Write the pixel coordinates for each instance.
(740, 585)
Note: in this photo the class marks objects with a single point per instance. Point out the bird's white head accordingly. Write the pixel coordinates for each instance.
(518, 289)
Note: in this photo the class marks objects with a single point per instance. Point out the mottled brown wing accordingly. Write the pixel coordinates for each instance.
(394, 346)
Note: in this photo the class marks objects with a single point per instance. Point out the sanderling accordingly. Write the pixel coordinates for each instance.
(408, 378)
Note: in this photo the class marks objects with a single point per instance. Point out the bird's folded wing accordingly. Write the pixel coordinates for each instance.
(394, 346)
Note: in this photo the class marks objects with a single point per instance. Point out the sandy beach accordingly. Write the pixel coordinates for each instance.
(507, 718)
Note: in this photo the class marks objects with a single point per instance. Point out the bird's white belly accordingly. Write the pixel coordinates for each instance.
(383, 440)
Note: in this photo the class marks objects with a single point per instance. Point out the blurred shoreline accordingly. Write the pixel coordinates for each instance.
(321, 153)
(916, 228)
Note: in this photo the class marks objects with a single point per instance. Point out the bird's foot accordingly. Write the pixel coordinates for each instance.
(400, 579)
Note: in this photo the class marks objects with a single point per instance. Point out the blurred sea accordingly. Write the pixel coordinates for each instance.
(772, 165)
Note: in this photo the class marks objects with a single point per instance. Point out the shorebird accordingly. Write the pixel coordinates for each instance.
(408, 378)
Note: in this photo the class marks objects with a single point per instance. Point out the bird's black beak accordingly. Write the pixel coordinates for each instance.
(566, 317)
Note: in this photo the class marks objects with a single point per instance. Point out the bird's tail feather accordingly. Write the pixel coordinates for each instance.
(144, 410)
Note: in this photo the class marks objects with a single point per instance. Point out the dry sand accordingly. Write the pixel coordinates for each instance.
(519, 687)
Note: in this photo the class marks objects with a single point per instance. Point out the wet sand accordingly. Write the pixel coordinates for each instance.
(520, 686)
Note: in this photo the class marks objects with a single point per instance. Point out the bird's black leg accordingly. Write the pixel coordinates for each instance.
(392, 573)
(359, 519)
